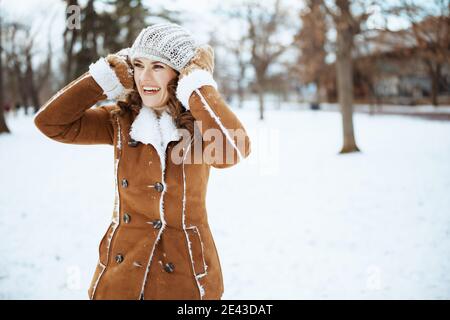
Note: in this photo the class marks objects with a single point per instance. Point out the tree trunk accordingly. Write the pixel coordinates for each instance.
(261, 100)
(435, 74)
(3, 126)
(345, 87)
(30, 85)
(242, 69)
(70, 37)
(69, 57)
(22, 91)
(317, 95)
(240, 96)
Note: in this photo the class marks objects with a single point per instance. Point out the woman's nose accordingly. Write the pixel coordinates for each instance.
(147, 75)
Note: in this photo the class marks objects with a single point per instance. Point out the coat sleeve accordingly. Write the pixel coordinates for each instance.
(198, 93)
(68, 116)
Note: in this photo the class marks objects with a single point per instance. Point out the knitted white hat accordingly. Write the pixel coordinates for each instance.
(166, 42)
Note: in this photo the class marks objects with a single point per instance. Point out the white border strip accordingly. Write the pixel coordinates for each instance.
(200, 287)
(216, 118)
(205, 266)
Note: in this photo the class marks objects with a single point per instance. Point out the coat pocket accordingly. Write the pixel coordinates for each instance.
(197, 250)
(103, 246)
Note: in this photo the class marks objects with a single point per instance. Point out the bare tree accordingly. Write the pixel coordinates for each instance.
(238, 49)
(15, 59)
(3, 126)
(27, 78)
(265, 46)
(70, 37)
(223, 73)
(311, 40)
(104, 30)
(347, 26)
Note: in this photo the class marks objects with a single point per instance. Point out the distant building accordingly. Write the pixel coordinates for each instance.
(389, 68)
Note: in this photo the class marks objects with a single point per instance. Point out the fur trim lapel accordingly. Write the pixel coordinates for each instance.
(148, 129)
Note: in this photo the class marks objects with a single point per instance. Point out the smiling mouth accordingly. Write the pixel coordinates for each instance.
(151, 90)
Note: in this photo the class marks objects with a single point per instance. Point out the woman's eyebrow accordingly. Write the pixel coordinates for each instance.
(139, 61)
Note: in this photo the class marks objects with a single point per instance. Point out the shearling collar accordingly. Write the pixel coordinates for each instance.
(148, 129)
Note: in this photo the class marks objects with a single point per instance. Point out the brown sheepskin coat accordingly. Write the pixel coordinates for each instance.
(159, 244)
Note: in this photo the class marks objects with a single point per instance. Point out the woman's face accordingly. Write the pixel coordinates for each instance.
(151, 79)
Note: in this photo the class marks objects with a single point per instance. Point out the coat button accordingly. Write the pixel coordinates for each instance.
(119, 258)
(159, 187)
(133, 143)
(169, 267)
(124, 183)
(157, 224)
(126, 218)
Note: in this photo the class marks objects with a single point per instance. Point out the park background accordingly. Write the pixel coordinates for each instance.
(346, 192)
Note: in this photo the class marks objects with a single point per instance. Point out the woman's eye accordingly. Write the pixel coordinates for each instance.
(137, 65)
(157, 66)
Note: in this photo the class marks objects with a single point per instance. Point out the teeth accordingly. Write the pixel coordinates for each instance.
(151, 88)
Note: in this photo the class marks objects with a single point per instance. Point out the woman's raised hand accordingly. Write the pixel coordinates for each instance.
(114, 74)
(203, 59)
(119, 63)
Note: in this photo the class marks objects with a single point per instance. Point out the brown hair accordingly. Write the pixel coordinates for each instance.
(132, 104)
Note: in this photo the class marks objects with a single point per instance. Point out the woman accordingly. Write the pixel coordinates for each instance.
(169, 125)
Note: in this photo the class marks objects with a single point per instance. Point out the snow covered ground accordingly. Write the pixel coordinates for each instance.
(302, 222)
